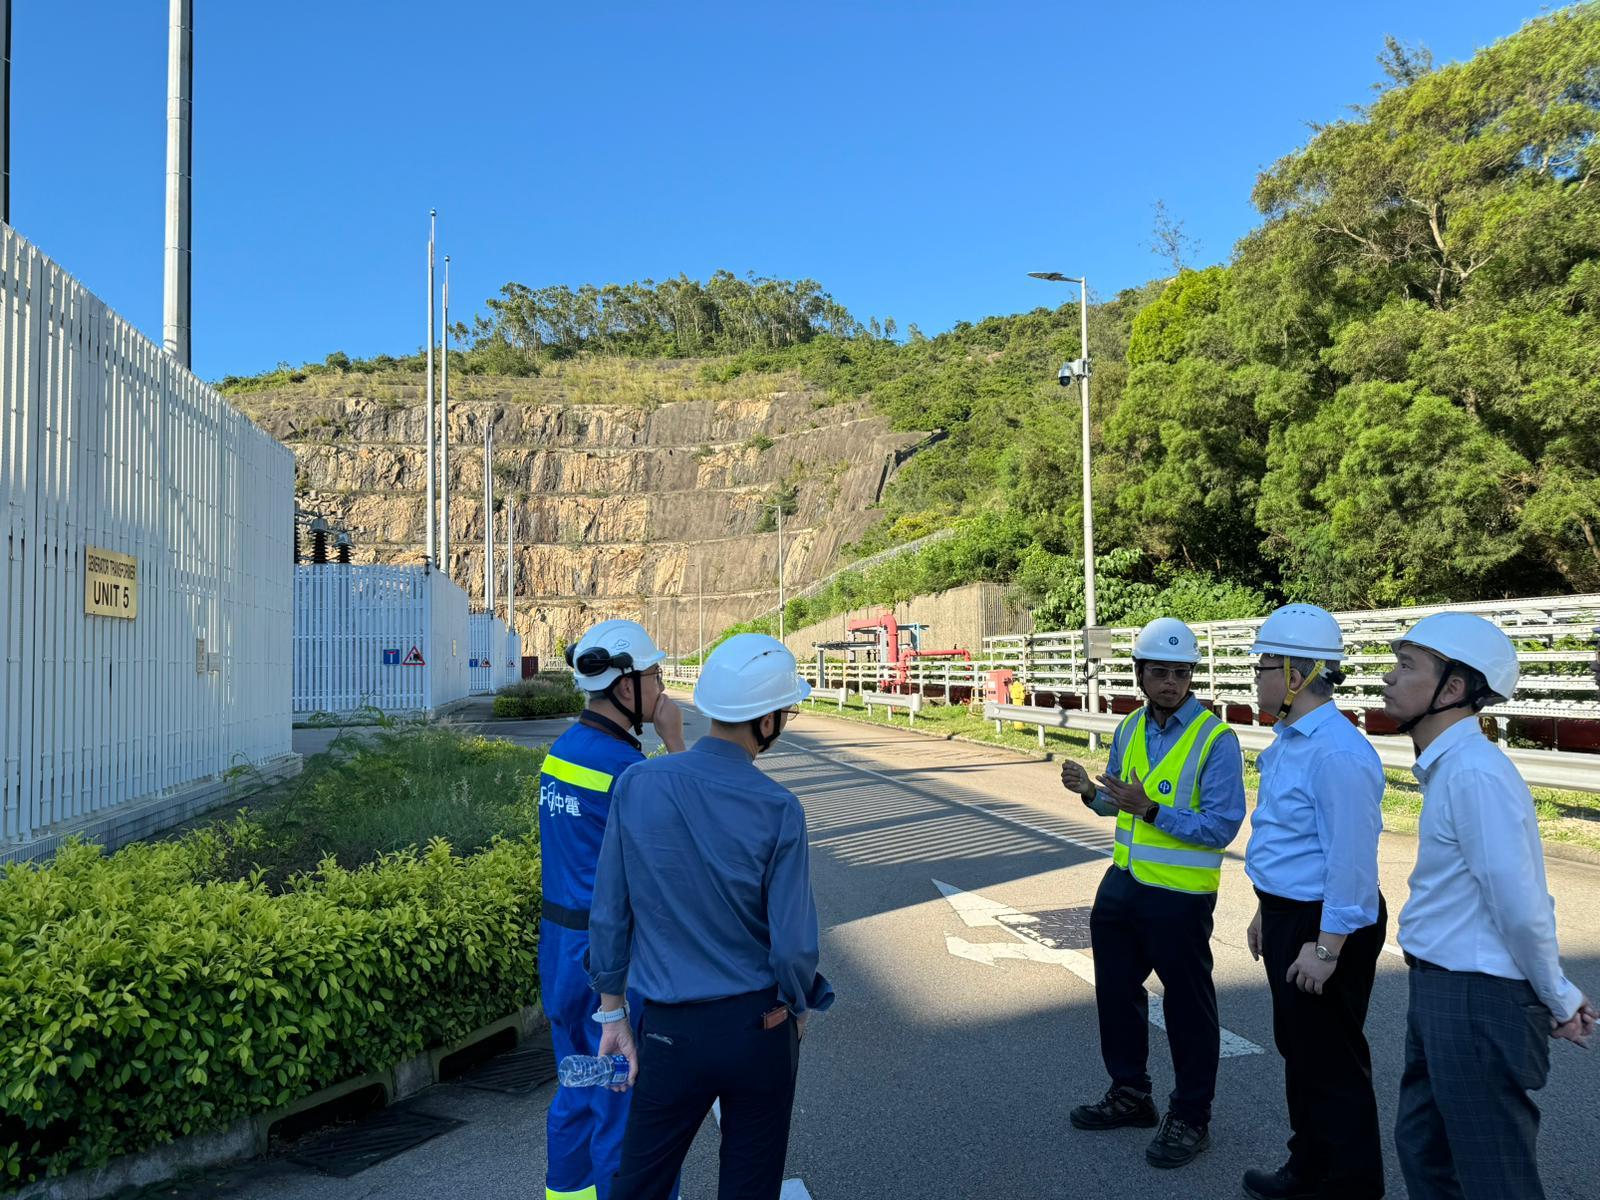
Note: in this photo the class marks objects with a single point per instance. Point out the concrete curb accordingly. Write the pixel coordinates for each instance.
(138, 820)
(248, 1136)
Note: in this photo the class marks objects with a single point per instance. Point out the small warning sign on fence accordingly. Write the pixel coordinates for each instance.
(414, 659)
(391, 657)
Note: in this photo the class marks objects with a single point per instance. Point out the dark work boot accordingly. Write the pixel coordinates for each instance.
(1177, 1143)
(1121, 1106)
(1282, 1184)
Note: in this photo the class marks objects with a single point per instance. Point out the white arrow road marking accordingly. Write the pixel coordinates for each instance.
(1032, 946)
(793, 1189)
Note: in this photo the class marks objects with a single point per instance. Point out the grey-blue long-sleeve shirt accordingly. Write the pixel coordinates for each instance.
(704, 884)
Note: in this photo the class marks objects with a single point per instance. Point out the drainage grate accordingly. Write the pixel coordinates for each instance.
(533, 1066)
(348, 1151)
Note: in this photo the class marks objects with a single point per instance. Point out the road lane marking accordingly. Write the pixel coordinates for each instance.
(978, 912)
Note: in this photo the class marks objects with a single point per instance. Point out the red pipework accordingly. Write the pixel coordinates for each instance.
(891, 630)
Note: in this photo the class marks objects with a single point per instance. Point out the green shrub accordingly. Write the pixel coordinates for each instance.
(549, 694)
(141, 1001)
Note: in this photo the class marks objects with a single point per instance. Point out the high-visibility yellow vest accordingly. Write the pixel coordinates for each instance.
(1155, 857)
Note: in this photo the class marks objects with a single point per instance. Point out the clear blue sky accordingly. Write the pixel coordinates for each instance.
(916, 157)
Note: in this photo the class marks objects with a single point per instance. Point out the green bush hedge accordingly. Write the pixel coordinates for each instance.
(549, 694)
(142, 999)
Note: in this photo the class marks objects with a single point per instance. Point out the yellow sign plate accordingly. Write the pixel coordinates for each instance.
(110, 583)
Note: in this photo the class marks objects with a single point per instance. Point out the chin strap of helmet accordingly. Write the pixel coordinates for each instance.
(1434, 707)
(1291, 693)
(635, 711)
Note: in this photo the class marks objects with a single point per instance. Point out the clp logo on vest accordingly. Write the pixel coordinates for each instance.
(1165, 787)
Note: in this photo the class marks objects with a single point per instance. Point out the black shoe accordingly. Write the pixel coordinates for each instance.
(1177, 1143)
(1282, 1184)
(1121, 1106)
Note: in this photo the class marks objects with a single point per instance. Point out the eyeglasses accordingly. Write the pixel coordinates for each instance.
(1162, 674)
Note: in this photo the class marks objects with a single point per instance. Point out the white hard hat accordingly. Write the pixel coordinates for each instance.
(1166, 639)
(1469, 639)
(748, 676)
(1301, 631)
(610, 650)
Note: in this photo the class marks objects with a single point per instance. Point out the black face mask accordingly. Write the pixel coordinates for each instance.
(765, 742)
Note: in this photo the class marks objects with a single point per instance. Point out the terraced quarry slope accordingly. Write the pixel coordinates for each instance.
(629, 479)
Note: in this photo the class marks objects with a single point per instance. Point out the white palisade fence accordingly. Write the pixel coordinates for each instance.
(117, 462)
(496, 658)
(391, 638)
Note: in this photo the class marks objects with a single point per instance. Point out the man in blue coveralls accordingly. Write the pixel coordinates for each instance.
(618, 665)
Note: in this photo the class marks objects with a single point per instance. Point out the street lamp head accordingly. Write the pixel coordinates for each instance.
(1053, 276)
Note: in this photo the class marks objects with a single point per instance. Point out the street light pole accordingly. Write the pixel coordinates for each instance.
(780, 571)
(176, 294)
(432, 466)
(5, 115)
(444, 431)
(1080, 369)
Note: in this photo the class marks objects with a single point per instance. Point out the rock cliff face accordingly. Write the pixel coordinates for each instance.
(621, 509)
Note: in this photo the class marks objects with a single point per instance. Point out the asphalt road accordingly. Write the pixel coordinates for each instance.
(965, 1025)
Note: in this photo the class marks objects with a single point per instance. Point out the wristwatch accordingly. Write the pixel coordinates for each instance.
(1325, 955)
(603, 1016)
(1149, 817)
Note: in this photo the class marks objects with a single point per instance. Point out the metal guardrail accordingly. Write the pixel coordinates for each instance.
(892, 700)
(1539, 768)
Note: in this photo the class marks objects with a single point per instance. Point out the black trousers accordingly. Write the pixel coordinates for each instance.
(1327, 1066)
(691, 1055)
(1476, 1045)
(1136, 929)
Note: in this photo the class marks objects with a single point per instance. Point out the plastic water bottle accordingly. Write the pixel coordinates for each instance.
(584, 1070)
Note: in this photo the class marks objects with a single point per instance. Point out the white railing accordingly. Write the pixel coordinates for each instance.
(1553, 634)
(1539, 768)
(384, 637)
(1555, 681)
(106, 443)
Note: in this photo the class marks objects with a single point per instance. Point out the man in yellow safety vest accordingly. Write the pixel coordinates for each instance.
(1175, 781)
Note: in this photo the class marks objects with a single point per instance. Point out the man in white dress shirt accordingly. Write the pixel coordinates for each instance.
(1479, 930)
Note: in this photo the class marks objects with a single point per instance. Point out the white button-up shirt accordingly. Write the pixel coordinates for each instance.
(1319, 811)
(1479, 900)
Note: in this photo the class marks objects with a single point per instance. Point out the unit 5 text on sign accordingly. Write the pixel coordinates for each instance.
(110, 583)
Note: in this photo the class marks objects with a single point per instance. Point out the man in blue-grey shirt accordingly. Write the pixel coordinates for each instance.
(1175, 782)
(1320, 921)
(703, 906)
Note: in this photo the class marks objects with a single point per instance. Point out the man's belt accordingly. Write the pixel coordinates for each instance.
(567, 918)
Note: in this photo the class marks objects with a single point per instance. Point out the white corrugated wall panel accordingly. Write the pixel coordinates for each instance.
(105, 441)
